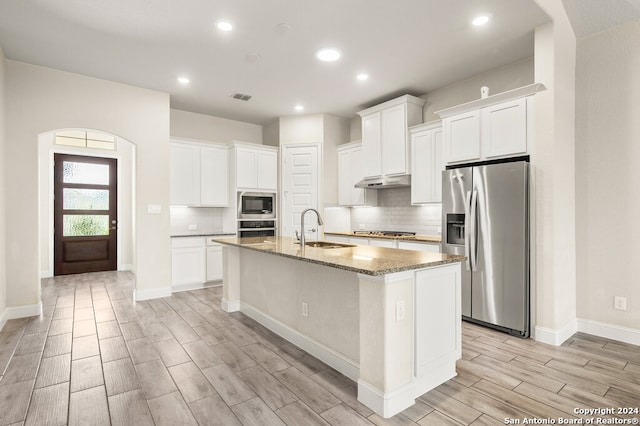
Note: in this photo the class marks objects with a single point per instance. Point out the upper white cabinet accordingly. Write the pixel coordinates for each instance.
(427, 163)
(489, 128)
(350, 172)
(256, 167)
(385, 140)
(199, 174)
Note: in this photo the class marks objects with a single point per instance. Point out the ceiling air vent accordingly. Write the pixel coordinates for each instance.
(241, 96)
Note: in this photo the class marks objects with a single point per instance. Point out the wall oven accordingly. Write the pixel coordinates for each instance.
(256, 228)
(256, 205)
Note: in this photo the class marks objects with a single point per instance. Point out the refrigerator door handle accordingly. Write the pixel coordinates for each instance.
(467, 237)
(473, 233)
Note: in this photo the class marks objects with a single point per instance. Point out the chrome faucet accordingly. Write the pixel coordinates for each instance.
(302, 237)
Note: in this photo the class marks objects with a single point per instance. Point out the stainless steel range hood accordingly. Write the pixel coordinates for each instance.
(384, 182)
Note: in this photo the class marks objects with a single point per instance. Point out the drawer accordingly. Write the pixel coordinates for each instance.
(187, 242)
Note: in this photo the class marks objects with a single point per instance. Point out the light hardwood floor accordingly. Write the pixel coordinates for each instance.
(96, 358)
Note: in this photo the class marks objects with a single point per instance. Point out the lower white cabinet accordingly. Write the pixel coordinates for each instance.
(214, 261)
(187, 261)
(410, 245)
(194, 261)
(385, 242)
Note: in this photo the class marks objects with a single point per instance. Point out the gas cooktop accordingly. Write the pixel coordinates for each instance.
(385, 233)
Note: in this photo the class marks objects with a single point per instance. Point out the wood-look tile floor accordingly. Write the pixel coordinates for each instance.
(96, 358)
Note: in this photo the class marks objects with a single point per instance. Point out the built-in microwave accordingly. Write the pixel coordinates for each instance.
(256, 205)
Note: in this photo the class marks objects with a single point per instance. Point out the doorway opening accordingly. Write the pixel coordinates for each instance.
(85, 214)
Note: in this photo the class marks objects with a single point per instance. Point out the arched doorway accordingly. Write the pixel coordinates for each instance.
(84, 212)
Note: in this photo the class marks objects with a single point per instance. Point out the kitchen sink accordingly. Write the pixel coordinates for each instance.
(326, 244)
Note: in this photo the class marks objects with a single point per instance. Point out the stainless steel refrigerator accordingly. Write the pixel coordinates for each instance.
(485, 216)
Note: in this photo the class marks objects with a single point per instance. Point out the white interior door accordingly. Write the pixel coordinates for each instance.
(300, 189)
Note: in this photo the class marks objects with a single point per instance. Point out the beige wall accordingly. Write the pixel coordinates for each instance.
(3, 282)
(190, 125)
(501, 79)
(43, 100)
(301, 129)
(607, 172)
(553, 178)
(271, 133)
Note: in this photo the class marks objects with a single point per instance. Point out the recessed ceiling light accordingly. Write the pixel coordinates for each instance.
(224, 26)
(480, 20)
(328, 54)
(299, 108)
(362, 76)
(183, 80)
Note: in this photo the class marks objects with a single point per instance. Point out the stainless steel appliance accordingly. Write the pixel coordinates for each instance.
(256, 228)
(385, 233)
(256, 205)
(485, 216)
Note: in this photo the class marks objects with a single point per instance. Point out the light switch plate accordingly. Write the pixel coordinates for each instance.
(154, 208)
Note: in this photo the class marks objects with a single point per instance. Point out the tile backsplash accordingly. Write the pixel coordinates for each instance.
(207, 220)
(395, 213)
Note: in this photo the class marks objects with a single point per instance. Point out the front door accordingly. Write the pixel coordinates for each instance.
(85, 214)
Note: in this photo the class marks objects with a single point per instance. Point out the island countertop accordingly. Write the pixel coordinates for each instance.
(367, 260)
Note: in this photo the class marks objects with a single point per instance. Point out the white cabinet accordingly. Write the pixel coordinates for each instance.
(187, 261)
(194, 261)
(256, 168)
(488, 128)
(410, 245)
(214, 261)
(337, 238)
(214, 187)
(382, 243)
(199, 175)
(350, 166)
(504, 128)
(385, 141)
(427, 164)
(185, 175)
(462, 137)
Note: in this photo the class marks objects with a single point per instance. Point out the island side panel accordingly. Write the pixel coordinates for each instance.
(272, 290)
(231, 278)
(387, 333)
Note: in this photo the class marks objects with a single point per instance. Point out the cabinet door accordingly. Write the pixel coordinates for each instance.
(267, 170)
(437, 165)
(214, 185)
(246, 168)
(336, 238)
(504, 128)
(344, 178)
(214, 263)
(462, 136)
(371, 145)
(356, 165)
(421, 153)
(382, 243)
(185, 175)
(187, 265)
(394, 140)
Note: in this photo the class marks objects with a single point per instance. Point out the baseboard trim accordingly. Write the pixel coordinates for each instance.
(196, 286)
(20, 312)
(153, 293)
(556, 337)
(126, 267)
(609, 331)
(349, 368)
(230, 305)
(46, 274)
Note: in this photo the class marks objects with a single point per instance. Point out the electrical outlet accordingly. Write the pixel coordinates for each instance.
(400, 310)
(193, 227)
(305, 309)
(620, 303)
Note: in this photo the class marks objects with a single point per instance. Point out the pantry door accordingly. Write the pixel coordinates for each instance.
(300, 189)
(85, 214)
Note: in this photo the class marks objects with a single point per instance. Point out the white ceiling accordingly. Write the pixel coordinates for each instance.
(406, 46)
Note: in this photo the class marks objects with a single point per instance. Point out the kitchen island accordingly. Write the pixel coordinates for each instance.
(387, 318)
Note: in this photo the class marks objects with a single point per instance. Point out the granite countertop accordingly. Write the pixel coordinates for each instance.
(210, 234)
(418, 238)
(367, 260)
